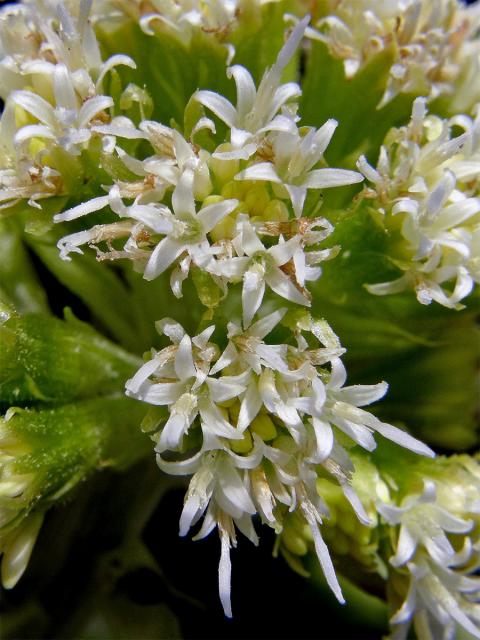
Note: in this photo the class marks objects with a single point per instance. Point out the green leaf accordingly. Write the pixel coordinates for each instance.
(327, 93)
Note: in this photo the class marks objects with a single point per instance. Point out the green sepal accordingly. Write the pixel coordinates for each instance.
(19, 284)
(50, 360)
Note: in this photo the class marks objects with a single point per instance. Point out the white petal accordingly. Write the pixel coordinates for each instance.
(220, 106)
(227, 357)
(284, 287)
(325, 439)
(361, 395)
(403, 439)
(63, 88)
(173, 432)
(325, 561)
(91, 108)
(213, 213)
(145, 371)
(182, 197)
(181, 468)
(324, 178)
(262, 327)
(406, 547)
(82, 209)
(356, 503)
(225, 387)
(184, 367)
(246, 91)
(297, 196)
(166, 252)
(33, 131)
(284, 251)
(251, 405)
(114, 61)
(321, 139)
(259, 171)
(163, 393)
(225, 574)
(249, 240)
(35, 105)
(289, 48)
(252, 295)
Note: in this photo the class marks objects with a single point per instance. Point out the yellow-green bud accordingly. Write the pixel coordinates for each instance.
(224, 170)
(264, 427)
(275, 211)
(244, 445)
(257, 199)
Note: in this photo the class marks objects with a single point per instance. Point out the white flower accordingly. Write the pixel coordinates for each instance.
(257, 111)
(188, 390)
(260, 267)
(435, 43)
(189, 229)
(67, 123)
(416, 179)
(294, 159)
(266, 421)
(440, 595)
(423, 522)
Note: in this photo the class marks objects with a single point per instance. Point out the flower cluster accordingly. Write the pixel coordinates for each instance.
(260, 418)
(251, 225)
(180, 20)
(194, 167)
(436, 535)
(433, 43)
(51, 77)
(427, 182)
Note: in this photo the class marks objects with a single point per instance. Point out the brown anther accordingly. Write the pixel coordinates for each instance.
(102, 117)
(265, 152)
(149, 181)
(142, 236)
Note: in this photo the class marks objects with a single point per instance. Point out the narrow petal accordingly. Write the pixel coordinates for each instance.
(325, 560)
(325, 178)
(252, 295)
(112, 62)
(182, 197)
(211, 215)
(91, 108)
(163, 393)
(220, 106)
(82, 209)
(260, 171)
(184, 367)
(35, 105)
(265, 325)
(251, 405)
(284, 287)
(403, 439)
(246, 90)
(166, 252)
(406, 547)
(63, 88)
(225, 574)
(33, 131)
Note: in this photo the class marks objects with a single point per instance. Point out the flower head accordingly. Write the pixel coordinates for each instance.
(260, 418)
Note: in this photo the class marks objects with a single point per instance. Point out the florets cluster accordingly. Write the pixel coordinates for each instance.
(426, 184)
(432, 44)
(260, 418)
